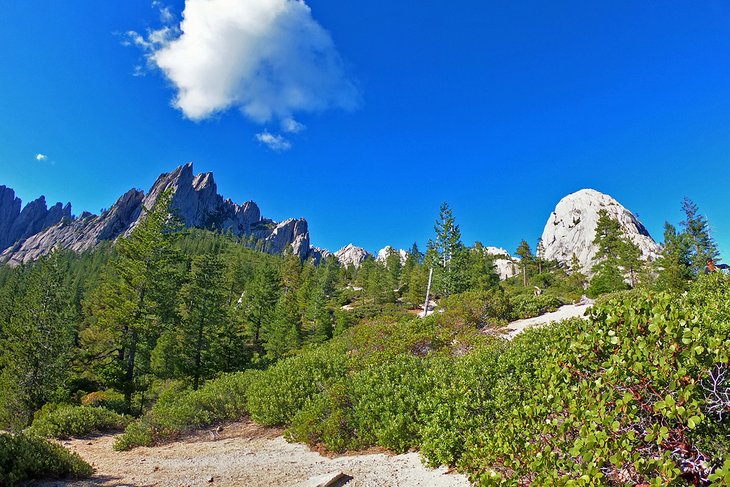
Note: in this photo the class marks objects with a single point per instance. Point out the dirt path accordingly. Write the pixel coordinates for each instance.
(245, 454)
(562, 313)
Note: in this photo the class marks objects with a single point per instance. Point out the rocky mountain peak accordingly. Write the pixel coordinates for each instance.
(571, 228)
(17, 224)
(28, 234)
(388, 250)
(350, 255)
(506, 264)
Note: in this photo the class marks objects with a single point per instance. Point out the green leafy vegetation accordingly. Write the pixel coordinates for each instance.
(180, 410)
(188, 329)
(64, 421)
(24, 457)
(628, 396)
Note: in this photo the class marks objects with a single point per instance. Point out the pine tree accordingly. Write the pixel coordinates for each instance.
(539, 255)
(481, 270)
(526, 259)
(444, 254)
(675, 262)
(37, 339)
(696, 228)
(261, 298)
(630, 260)
(616, 254)
(417, 287)
(284, 334)
(203, 315)
(124, 307)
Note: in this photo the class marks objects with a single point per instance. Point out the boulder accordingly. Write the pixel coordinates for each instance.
(350, 255)
(571, 229)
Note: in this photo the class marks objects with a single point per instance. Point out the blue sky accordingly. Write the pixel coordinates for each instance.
(499, 108)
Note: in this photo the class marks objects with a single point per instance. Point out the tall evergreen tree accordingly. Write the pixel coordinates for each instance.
(697, 230)
(675, 262)
(481, 270)
(284, 333)
(36, 343)
(616, 255)
(526, 259)
(203, 313)
(444, 254)
(125, 305)
(260, 301)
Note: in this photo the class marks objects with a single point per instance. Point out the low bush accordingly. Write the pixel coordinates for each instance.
(111, 400)
(378, 405)
(480, 309)
(628, 401)
(24, 457)
(65, 420)
(529, 306)
(277, 394)
(179, 411)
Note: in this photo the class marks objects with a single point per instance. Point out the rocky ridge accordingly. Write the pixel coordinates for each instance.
(571, 229)
(350, 255)
(506, 264)
(35, 231)
(388, 250)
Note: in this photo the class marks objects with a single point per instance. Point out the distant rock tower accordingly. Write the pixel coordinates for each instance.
(571, 229)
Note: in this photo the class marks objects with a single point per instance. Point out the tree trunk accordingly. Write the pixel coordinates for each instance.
(198, 351)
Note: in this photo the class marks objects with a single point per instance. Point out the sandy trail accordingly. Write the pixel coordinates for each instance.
(562, 313)
(245, 454)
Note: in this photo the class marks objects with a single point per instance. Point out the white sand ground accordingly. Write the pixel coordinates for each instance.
(245, 454)
(562, 313)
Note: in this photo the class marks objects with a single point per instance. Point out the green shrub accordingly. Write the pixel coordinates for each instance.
(378, 405)
(110, 399)
(63, 421)
(24, 457)
(529, 306)
(480, 309)
(138, 433)
(460, 401)
(179, 411)
(623, 403)
(277, 394)
(386, 401)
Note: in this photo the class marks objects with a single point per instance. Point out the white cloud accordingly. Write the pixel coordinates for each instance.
(291, 126)
(268, 58)
(166, 15)
(274, 142)
(41, 157)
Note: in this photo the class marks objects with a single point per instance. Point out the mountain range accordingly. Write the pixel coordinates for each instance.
(29, 232)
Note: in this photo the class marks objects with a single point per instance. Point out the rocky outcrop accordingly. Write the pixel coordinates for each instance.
(35, 217)
(36, 231)
(9, 211)
(317, 254)
(571, 229)
(507, 266)
(289, 234)
(388, 250)
(351, 255)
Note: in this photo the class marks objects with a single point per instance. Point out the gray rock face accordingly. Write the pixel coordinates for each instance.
(507, 266)
(9, 211)
(351, 255)
(317, 254)
(571, 229)
(35, 216)
(388, 250)
(290, 233)
(36, 231)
